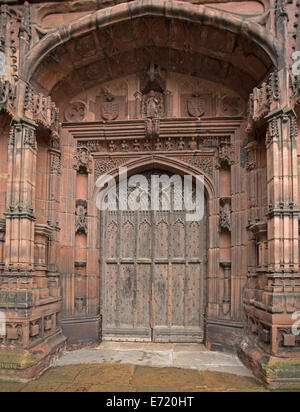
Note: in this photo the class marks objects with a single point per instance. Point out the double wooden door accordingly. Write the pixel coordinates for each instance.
(153, 276)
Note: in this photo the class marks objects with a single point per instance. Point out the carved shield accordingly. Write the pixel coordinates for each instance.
(110, 110)
(196, 106)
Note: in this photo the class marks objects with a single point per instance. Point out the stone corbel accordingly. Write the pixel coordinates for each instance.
(152, 128)
(259, 229)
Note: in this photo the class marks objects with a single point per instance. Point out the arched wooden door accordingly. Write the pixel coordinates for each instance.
(153, 276)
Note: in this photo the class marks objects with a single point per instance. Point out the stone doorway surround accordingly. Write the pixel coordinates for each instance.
(78, 99)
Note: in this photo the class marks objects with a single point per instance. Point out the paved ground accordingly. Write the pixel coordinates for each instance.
(192, 356)
(131, 367)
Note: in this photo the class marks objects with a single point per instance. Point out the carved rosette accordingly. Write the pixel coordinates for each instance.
(76, 112)
(232, 106)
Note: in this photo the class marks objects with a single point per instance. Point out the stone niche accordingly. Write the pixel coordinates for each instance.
(41, 245)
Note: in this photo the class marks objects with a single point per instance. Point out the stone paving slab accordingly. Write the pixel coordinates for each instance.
(119, 367)
(157, 355)
(130, 378)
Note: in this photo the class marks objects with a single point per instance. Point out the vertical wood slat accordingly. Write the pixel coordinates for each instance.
(153, 277)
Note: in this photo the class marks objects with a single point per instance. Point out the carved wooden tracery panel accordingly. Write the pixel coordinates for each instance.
(153, 276)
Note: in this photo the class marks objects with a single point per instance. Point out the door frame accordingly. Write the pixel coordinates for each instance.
(204, 297)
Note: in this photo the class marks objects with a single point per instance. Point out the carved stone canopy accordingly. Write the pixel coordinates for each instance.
(83, 160)
(152, 80)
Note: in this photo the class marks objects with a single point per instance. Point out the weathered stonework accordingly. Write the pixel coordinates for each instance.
(167, 86)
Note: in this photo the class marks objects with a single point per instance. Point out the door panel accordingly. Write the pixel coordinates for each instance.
(153, 276)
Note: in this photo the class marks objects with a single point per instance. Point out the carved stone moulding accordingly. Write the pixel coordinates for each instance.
(264, 98)
(154, 141)
(27, 333)
(41, 110)
(259, 229)
(18, 211)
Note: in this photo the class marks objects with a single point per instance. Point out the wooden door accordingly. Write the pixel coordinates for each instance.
(153, 266)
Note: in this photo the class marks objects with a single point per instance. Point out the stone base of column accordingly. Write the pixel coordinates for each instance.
(223, 335)
(276, 372)
(23, 365)
(83, 329)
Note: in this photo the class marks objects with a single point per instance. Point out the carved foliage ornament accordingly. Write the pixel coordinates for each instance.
(29, 138)
(56, 162)
(7, 96)
(225, 214)
(263, 99)
(27, 134)
(41, 109)
(104, 166)
(83, 160)
(204, 164)
(81, 224)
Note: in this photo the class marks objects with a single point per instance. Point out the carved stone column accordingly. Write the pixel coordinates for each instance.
(21, 197)
(226, 265)
(55, 183)
(276, 297)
